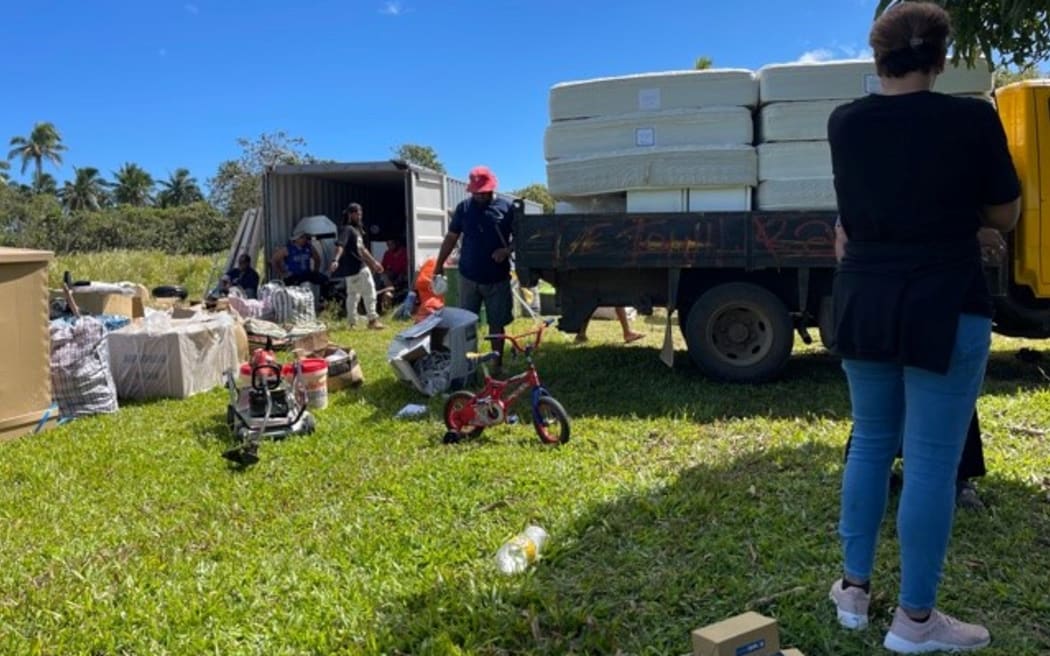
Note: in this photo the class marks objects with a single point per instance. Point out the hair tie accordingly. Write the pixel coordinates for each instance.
(915, 41)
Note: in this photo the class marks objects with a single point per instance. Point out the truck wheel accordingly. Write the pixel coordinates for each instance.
(826, 323)
(739, 332)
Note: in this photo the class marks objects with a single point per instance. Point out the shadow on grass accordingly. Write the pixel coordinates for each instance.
(635, 575)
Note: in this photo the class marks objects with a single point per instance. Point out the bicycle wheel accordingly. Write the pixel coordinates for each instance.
(454, 416)
(551, 421)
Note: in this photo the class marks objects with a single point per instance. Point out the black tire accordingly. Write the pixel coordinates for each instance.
(170, 291)
(541, 422)
(739, 332)
(455, 401)
(826, 323)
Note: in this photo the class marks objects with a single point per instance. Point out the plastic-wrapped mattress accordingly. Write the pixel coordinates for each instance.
(796, 121)
(651, 92)
(797, 194)
(660, 167)
(834, 80)
(708, 126)
(794, 159)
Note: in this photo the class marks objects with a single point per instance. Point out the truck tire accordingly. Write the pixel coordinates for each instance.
(826, 323)
(739, 332)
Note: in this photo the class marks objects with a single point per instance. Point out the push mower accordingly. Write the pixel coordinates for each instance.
(271, 407)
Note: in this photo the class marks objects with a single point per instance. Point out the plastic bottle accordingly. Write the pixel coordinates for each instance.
(521, 551)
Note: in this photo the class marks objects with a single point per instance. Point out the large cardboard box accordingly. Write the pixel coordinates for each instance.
(749, 634)
(162, 357)
(25, 369)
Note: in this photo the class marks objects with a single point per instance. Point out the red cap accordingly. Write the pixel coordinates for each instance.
(482, 180)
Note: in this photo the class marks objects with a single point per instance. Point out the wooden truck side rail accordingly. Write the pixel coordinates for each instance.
(740, 240)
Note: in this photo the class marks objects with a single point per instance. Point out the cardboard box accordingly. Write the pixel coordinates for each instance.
(25, 369)
(342, 372)
(172, 358)
(749, 634)
(791, 652)
(309, 342)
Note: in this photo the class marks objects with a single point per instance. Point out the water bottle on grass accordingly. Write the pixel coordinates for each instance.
(521, 551)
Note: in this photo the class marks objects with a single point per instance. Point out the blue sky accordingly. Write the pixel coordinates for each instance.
(173, 83)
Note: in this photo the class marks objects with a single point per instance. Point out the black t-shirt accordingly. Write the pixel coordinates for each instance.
(912, 173)
(350, 262)
(916, 168)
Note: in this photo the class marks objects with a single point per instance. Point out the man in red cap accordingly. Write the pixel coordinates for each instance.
(486, 224)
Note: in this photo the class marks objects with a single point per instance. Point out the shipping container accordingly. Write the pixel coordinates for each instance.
(400, 200)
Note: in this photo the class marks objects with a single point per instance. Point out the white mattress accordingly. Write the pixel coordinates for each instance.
(794, 159)
(653, 168)
(603, 204)
(795, 121)
(711, 126)
(650, 92)
(834, 80)
(797, 194)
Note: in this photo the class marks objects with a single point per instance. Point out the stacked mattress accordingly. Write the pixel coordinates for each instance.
(670, 141)
(794, 161)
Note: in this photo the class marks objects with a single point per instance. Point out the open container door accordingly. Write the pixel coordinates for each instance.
(428, 214)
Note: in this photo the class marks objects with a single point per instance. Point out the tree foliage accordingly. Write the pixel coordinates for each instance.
(179, 189)
(87, 190)
(133, 185)
(1005, 75)
(537, 192)
(703, 63)
(424, 156)
(43, 143)
(1017, 31)
(237, 185)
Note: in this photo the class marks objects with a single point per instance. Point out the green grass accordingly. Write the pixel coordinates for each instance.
(150, 268)
(678, 502)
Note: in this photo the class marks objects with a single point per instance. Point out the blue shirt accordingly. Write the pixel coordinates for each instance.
(481, 227)
(298, 261)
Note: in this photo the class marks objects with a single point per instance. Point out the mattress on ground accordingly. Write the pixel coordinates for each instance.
(710, 126)
(653, 168)
(651, 92)
(796, 194)
(794, 159)
(834, 80)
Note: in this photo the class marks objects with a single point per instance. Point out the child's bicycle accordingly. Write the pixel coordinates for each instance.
(468, 414)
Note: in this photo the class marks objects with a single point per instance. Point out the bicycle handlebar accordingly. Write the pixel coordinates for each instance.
(515, 340)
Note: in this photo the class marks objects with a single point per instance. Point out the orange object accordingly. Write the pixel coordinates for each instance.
(428, 301)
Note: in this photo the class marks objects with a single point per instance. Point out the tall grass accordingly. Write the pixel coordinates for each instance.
(150, 268)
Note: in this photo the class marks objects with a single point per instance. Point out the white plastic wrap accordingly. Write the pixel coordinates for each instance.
(711, 126)
(651, 92)
(717, 166)
(796, 121)
(794, 159)
(848, 79)
(797, 194)
(162, 357)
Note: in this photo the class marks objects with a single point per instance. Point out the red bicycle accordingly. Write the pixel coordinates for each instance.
(468, 414)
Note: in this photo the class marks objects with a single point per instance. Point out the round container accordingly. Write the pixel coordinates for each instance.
(244, 375)
(315, 377)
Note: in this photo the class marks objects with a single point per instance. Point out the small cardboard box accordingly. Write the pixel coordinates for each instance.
(309, 342)
(749, 634)
(343, 372)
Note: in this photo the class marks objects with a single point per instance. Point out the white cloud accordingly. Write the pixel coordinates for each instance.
(193, 9)
(392, 8)
(813, 56)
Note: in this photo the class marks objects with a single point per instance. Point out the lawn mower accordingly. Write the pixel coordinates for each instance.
(270, 407)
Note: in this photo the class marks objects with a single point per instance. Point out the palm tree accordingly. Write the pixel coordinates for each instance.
(44, 183)
(5, 166)
(179, 189)
(132, 185)
(44, 142)
(86, 192)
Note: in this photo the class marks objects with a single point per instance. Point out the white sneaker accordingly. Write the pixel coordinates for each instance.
(851, 605)
(939, 633)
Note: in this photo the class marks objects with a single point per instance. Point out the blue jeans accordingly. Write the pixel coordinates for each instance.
(929, 413)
